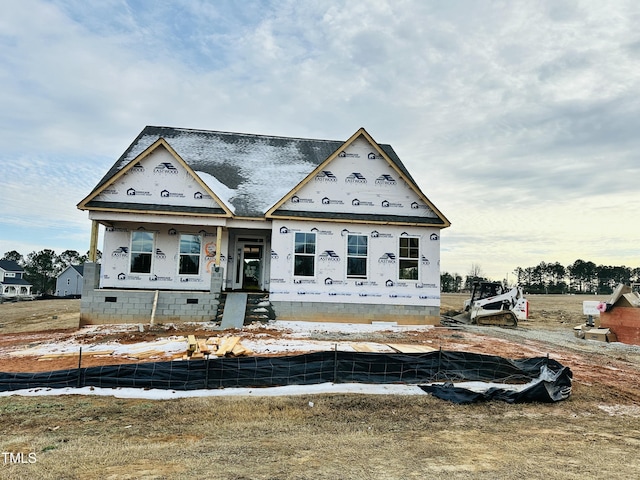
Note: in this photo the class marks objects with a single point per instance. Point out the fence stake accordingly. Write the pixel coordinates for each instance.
(79, 367)
(335, 363)
(206, 373)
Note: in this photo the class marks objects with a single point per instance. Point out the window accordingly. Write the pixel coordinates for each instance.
(409, 257)
(141, 251)
(357, 256)
(189, 255)
(304, 255)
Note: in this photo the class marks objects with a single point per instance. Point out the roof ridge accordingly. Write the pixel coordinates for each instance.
(244, 134)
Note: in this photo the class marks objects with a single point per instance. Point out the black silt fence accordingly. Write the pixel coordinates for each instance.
(308, 369)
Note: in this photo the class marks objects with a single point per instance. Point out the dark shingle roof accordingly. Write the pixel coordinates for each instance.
(10, 266)
(15, 281)
(78, 268)
(259, 169)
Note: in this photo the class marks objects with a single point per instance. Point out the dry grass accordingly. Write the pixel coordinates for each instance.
(341, 436)
(594, 434)
(38, 315)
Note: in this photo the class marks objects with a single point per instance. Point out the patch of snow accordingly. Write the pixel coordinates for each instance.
(156, 394)
(306, 329)
(224, 193)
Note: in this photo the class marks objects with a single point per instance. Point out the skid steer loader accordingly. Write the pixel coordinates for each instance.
(492, 304)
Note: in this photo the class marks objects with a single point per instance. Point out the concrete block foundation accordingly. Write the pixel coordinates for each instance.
(356, 313)
(107, 306)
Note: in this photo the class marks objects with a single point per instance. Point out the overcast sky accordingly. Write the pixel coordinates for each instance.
(519, 120)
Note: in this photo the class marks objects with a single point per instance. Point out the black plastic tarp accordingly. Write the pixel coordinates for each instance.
(319, 367)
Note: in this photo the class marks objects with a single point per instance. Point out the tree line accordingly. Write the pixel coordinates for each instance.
(579, 277)
(42, 268)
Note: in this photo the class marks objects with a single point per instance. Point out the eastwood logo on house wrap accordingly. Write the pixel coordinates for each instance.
(140, 193)
(166, 168)
(326, 176)
(328, 201)
(433, 236)
(425, 260)
(160, 254)
(387, 258)
(329, 255)
(137, 168)
(120, 252)
(385, 179)
(110, 191)
(274, 255)
(355, 177)
(373, 156)
(167, 193)
(387, 204)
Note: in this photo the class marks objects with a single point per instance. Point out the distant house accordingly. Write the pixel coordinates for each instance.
(69, 282)
(12, 282)
(328, 230)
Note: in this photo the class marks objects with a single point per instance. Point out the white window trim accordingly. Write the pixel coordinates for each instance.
(346, 263)
(408, 258)
(153, 252)
(201, 255)
(315, 257)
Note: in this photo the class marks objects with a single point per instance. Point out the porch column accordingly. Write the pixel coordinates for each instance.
(93, 247)
(218, 245)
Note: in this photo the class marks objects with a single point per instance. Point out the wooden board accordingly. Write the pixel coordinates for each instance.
(363, 348)
(192, 343)
(405, 348)
(226, 345)
(51, 356)
(146, 354)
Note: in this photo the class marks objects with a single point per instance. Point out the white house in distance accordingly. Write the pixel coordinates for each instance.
(12, 283)
(70, 281)
(330, 230)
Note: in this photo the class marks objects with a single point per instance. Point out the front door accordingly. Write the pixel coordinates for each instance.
(252, 267)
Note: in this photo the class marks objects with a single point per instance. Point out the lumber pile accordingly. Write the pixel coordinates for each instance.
(213, 346)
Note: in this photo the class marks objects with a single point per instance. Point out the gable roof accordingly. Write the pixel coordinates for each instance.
(10, 266)
(255, 173)
(258, 169)
(437, 219)
(78, 268)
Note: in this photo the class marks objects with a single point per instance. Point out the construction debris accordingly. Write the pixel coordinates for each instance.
(218, 346)
(617, 320)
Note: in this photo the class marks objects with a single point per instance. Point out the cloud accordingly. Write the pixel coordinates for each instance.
(507, 114)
